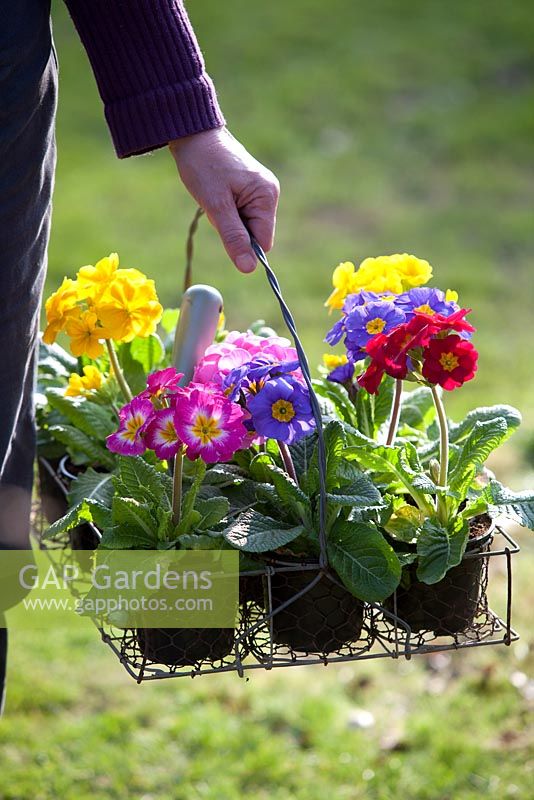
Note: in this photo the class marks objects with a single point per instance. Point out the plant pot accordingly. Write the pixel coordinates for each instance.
(251, 590)
(449, 606)
(52, 492)
(322, 620)
(185, 646)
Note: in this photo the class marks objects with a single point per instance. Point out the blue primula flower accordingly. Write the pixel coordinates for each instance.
(426, 301)
(281, 410)
(367, 321)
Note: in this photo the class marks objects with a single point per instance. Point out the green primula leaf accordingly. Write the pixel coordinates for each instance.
(290, 497)
(91, 485)
(255, 533)
(459, 432)
(119, 537)
(359, 493)
(339, 398)
(517, 506)
(55, 351)
(212, 511)
(148, 351)
(365, 562)
(77, 441)
(417, 408)
(142, 481)
(405, 522)
(169, 319)
(85, 511)
(134, 514)
(334, 442)
(189, 499)
(382, 402)
(439, 549)
(302, 452)
(92, 419)
(482, 440)
(260, 467)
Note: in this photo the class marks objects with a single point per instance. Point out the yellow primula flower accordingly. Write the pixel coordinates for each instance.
(82, 385)
(60, 306)
(412, 271)
(93, 281)
(342, 281)
(85, 335)
(451, 296)
(129, 309)
(332, 361)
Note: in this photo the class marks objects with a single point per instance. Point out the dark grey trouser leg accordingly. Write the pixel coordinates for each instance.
(28, 90)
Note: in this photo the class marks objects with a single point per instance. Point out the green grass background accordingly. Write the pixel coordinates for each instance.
(392, 126)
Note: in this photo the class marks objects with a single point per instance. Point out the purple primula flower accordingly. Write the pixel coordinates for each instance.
(426, 301)
(362, 298)
(249, 378)
(134, 418)
(342, 374)
(336, 332)
(367, 321)
(281, 410)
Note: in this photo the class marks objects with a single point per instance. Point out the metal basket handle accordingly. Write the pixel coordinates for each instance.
(303, 361)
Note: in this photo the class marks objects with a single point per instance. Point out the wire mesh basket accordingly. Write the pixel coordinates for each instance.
(293, 613)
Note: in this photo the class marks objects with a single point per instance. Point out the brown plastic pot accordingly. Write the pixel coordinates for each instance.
(449, 606)
(322, 620)
(185, 646)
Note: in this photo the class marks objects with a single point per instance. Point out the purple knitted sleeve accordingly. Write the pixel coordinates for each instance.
(149, 71)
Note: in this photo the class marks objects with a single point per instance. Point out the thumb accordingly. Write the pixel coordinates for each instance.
(235, 238)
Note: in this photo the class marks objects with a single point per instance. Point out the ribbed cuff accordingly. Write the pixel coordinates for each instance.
(152, 119)
(149, 70)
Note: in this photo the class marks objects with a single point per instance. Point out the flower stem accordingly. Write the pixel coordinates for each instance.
(121, 380)
(441, 506)
(395, 413)
(288, 461)
(177, 487)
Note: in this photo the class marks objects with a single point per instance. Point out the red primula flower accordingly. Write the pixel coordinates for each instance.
(454, 322)
(450, 361)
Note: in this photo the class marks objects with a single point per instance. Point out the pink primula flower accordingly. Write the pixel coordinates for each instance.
(210, 425)
(161, 435)
(161, 382)
(238, 349)
(134, 419)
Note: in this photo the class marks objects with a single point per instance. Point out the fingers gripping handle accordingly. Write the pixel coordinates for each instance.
(303, 361)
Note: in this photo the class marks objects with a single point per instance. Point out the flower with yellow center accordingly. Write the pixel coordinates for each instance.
(83, 385)
(86, 335)
(93, 281)
(425, 309)
(332, 361)
(449, 361)
(342, 281)
(205, 429)
(129, 308)
(283, 410)
(375, 325)
(60, 306)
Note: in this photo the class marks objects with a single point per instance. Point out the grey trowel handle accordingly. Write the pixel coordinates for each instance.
(197, 324)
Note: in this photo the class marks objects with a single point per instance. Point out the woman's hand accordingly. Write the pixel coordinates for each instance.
(231, 187)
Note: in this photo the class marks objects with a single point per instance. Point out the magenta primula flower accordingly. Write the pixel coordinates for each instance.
(161, 435)
(134, 418)
(210, 425)
(161, 382)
